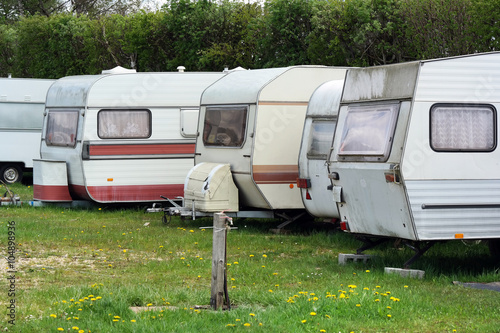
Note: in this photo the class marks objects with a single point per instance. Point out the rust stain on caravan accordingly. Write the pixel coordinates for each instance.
(275, 174)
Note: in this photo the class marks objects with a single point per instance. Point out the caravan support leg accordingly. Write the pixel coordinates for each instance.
(418, 252)
(368, 243)
(288, 219)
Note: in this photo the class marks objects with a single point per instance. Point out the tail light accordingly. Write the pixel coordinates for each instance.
(308, 196)
(303, 183)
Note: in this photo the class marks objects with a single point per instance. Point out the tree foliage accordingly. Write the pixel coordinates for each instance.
(55, 38)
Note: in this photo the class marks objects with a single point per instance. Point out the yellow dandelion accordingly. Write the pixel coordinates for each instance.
(377, 300)
(252, 314)
(53, 316)
(81, 331)
(115, 320)
(149, 304)
(251, 255)
(322, 331)
(275, 273)
(313, 313)
(389, 316)
(367, 271)
(270, 290)
(358, 305)
(75, 328)
(124, 251)
(191, 230)
(264, 255)
(132, 320)
(236, 263)
(246, 325)
(327, 316)
(60, 329)
(303, 321)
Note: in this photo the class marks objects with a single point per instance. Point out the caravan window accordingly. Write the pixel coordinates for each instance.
(463, 128)
(225, 126)
(321, 138)
(369, 130)
(124, 124)
(61, 128)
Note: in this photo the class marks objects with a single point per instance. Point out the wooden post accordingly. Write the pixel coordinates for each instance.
(218, 260)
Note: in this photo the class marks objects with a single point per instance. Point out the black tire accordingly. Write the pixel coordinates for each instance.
(494, 245)
(11, 174)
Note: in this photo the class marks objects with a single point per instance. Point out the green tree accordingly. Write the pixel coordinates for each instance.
(437, 28)
(282, 33)
(7, 51)
(51, 47)
(485, 19)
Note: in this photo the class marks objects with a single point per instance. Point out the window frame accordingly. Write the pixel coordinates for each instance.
(150, 125)
(48, 135)
(367, 156)
(314, 156)
(464, 105)
(243, 108)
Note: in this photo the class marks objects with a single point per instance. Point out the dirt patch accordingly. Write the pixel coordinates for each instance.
(495, 286)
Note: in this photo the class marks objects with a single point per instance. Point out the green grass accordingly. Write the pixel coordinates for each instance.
(86, 268)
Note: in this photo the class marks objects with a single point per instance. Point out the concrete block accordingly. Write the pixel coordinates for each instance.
(344, 257)
(412, 273)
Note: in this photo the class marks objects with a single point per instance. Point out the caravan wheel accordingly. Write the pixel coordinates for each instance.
(10, 174)
(494, 245)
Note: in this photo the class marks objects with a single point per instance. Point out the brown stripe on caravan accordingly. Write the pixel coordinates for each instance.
(285, 103)
(146, 149)
(275, 174)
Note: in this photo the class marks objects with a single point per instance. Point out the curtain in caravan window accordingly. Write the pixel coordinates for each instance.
(61, 128)
(124, 124)
(463, 128)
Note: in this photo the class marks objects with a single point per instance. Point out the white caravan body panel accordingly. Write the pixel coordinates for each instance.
(22, 103)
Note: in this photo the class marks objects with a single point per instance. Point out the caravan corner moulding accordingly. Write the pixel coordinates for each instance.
(121, 137)
(253, 121)
(22, 103)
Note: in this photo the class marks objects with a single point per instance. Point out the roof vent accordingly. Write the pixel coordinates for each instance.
(181, 69)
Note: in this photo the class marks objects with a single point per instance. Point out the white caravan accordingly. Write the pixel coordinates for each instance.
(415, 154)
(22, 102)
(120, 137)
(252, 121)
(319, 127)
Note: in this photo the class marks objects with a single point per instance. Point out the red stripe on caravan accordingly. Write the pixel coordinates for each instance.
(275, 174)
(135, 193)
(152, 149)
(54, 193)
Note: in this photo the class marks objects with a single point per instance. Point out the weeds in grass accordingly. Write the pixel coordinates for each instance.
(115, 269)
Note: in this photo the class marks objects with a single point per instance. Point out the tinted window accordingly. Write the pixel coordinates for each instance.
(225, 126)
(61, 128)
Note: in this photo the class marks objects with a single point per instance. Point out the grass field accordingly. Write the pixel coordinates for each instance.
(84, 270)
